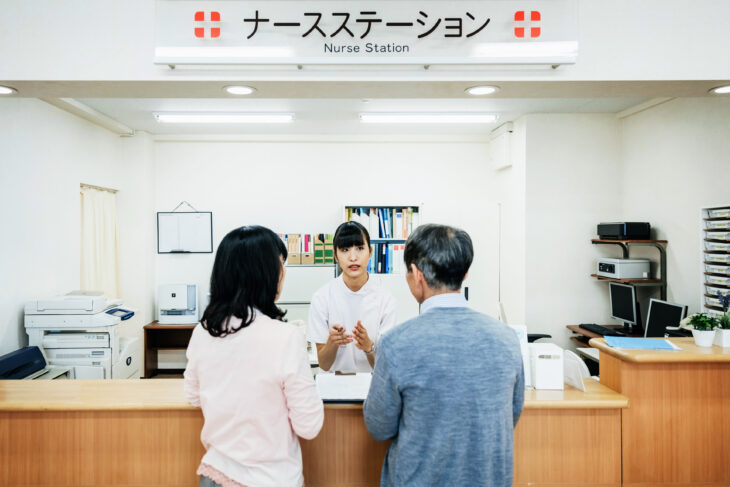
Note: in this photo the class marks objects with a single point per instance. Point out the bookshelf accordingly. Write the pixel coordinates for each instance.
(715, 257)
(389, 228)
(625, 245)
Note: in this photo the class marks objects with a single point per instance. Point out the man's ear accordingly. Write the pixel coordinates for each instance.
(417, 274)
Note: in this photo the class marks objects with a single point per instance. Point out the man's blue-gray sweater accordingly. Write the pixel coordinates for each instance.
(448, 389)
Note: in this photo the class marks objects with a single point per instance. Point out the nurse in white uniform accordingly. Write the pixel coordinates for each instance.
(348, 315)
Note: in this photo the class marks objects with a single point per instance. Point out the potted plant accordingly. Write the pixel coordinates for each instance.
(722, 332)
(703, 328)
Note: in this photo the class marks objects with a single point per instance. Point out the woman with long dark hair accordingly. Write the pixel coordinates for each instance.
(249, 372)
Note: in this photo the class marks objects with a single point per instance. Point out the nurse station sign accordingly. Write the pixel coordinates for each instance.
(366, 32)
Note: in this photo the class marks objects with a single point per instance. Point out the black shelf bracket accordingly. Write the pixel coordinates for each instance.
(626, 245)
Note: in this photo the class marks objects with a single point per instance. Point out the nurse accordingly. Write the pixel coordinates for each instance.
(349, 314)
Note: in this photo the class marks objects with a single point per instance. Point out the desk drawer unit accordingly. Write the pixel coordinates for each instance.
(715, 235)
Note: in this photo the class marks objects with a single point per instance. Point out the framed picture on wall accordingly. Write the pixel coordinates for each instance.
(182, 232)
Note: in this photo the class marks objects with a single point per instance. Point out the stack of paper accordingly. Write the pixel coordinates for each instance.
(344, 388)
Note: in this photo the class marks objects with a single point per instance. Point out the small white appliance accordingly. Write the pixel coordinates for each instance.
(177, 304)
(623, 268)
(546, 366)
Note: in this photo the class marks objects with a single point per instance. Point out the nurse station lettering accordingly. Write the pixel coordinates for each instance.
(369, 48)
(360, 25)
(363, 23)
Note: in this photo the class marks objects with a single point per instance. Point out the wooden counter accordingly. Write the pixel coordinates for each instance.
(677, 429)
(143, 432)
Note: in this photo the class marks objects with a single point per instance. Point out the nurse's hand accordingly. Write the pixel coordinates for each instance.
(362, 340)
(338, 337)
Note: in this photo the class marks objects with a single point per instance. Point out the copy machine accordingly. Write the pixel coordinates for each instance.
(81, 330)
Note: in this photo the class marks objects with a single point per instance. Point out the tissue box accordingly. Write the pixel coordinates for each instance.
(546, 366)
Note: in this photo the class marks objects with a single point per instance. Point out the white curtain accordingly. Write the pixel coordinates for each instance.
(99, 267)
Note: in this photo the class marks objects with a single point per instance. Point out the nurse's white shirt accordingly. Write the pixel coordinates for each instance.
(335, 304)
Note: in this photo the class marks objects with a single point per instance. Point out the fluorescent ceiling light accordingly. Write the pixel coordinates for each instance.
(482, 90)
(224, 117)
(721, 90)
(239, 90)
(6, 90)
(428, 117)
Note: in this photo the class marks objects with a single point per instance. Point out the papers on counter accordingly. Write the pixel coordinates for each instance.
(343, 388)
(628, 343)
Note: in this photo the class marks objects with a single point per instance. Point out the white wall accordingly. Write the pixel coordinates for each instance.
(677, 160)
(303, 188)
(47, 153)
(113, 40)
(507, 189)
(573, 181)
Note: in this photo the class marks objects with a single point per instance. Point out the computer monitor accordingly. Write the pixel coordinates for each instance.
(624, 305)
(661, 315)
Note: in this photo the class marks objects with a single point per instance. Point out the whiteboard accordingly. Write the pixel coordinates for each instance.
(184, 232)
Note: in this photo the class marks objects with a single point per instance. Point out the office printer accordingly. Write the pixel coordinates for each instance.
(81, 330)
(177, 304)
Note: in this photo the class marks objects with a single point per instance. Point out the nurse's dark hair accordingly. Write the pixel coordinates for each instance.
(351, 234)
(444, 255)
(245, 277)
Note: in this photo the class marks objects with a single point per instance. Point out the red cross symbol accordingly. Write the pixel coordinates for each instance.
(200, 24)
(521, 25)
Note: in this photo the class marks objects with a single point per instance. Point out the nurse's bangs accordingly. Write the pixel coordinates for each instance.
(351, 234)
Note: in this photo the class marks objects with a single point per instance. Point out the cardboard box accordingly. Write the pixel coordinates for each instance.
(294, 258)
(329, 253)
(318, 252)
(292, 242)
(307, 258)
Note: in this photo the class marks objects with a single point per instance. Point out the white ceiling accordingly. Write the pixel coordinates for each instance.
(332, 107)
(340, 116)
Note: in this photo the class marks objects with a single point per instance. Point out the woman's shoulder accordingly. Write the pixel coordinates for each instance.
(276, 326)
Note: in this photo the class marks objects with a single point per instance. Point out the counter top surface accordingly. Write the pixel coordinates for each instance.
(689, 352)
(167, 394)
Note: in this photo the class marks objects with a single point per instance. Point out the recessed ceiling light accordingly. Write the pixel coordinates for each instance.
(224, 117)
(239, 90)
(482, 90)
(721, 90)
(428, 117)
(6, 90)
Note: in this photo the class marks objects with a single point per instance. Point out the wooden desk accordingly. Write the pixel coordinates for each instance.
(583, 336)
(677, 428)
(142, 432)
(163, 337)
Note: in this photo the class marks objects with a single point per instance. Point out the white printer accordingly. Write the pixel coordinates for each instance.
(81, 330)
(177, 304)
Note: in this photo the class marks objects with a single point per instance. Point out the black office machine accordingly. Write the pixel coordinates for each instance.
(624, 231)
(28, 363)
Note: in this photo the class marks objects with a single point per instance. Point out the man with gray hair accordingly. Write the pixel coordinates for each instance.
(448, 385)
